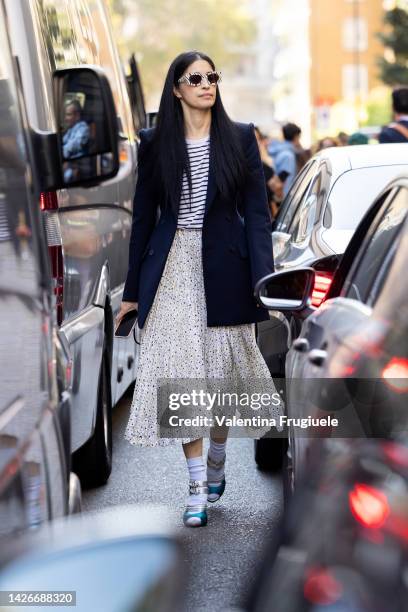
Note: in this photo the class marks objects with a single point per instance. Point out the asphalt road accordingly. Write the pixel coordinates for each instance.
(221, 558)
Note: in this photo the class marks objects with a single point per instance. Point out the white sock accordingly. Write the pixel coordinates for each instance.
(217, 452)
(197, 471)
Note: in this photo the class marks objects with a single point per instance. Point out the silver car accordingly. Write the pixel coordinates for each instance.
(349, 324)
(314, 226)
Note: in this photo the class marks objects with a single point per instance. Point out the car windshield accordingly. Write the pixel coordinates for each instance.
(353, 192)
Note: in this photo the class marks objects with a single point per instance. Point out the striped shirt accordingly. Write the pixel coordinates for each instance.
(199, 155)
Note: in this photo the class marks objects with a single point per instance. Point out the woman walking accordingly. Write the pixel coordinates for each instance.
(201, 239)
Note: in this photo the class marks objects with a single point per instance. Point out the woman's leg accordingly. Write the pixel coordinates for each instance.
(193, 449)
(195, 514)
(216, 463)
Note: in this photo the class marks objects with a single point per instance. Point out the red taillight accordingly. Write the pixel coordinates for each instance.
(321, 587)
(48, 200)
(321, 286)
(395, 374)
(369, 506)
(49, 204)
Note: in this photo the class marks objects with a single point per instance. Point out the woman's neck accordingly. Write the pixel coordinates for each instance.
(197, 123)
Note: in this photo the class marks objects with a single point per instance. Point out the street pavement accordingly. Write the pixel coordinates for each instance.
(221, 558)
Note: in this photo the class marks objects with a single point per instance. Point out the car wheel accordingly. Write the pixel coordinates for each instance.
(93, 461)
(269, 453)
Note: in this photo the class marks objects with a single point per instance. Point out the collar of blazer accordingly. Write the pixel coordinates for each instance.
(211, 185)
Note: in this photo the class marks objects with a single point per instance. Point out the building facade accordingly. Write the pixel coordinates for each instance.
(344, 49)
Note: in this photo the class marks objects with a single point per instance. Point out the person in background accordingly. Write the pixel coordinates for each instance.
(274, 185)
(76, 137)
(75, 141)
(284, 153)
(397, 131)
(326, 143)
(342, 139)
(358, 139)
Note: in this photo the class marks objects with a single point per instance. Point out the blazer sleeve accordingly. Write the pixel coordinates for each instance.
(258, 225)
(143, 220)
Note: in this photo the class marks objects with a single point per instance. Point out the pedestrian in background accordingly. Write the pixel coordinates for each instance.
(200, 240)
(284, 153)
(274, 185)
(397, 131)
(358, 139)
(342, 139)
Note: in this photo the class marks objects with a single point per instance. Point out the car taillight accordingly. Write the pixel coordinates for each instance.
(321, 286)
(395, 374)
(49, 206)
(321, 587)
(369, 506)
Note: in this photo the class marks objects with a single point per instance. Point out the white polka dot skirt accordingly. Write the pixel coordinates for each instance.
(177, 344)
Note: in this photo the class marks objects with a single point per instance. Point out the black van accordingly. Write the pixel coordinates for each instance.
(82, 126)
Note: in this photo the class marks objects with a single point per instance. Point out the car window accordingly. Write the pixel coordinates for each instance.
(353, 192)
(303, 221)
(75, 33)
(377, 254)
(295, 194)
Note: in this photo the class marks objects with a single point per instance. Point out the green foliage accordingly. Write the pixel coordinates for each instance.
(164, 28)
(394, 71)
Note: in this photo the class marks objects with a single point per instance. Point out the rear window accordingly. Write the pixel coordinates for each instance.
(353, 193)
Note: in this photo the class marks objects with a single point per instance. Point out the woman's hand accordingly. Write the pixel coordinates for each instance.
(124, 308)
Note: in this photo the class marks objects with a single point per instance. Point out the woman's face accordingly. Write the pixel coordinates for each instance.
(201, 97)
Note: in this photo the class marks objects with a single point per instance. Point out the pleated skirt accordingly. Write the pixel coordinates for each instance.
(177, 344)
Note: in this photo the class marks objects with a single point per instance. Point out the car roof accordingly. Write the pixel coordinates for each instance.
(364, 156)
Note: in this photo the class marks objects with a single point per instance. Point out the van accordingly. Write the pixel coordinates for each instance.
(36, 482)
(70, 74)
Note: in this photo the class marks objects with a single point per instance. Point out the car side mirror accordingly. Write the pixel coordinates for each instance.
(87, 126)
(287, 290)
(280, 240)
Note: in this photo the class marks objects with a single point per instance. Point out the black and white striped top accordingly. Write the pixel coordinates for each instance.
(199, 156)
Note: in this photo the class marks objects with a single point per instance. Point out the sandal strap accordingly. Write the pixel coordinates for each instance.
(198, 486)
(196, 509)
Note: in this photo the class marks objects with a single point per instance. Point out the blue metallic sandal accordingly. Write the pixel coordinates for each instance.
(196, 516)
(216, 487)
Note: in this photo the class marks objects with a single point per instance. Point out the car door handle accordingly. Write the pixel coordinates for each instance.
(301, 345)
(317, 357)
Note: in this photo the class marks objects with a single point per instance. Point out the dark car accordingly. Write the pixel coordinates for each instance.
(342, 545)
(36, 482)
(357, 337)
(314, 226)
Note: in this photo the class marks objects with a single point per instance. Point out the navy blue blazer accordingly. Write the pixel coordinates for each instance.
(236, 250)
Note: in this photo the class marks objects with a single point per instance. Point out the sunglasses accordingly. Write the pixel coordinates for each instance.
(195, 79)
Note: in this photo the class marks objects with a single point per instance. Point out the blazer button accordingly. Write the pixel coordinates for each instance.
(232, 248)
(228, 217)
(151, 251)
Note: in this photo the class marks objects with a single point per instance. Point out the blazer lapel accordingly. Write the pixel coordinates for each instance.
(212, 185)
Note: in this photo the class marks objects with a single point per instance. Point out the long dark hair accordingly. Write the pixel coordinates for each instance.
(169, 149)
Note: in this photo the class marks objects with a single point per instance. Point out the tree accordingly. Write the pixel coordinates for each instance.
(157, 31)
(394, 66)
